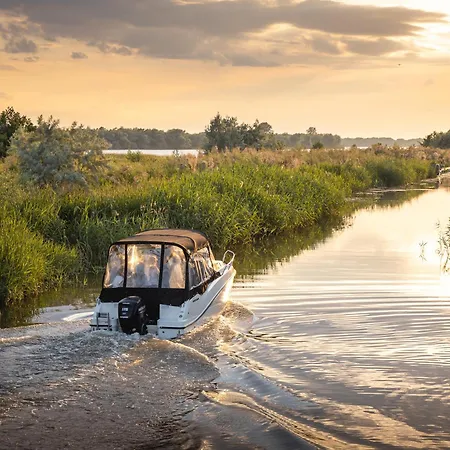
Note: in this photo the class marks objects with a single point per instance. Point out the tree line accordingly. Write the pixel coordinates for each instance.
(222, 133)
(151, 139)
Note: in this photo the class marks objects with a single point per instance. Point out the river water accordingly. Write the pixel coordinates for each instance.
(333, 339)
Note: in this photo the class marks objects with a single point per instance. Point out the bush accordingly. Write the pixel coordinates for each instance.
(134, 156)
(58, 157)
(28, 264)
(437, 140)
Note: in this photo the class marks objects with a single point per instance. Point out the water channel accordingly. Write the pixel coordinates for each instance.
(338, 338)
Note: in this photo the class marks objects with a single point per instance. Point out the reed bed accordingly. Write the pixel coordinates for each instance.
(47, 237)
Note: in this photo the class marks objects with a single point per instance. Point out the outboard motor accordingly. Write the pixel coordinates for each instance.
(132, 315)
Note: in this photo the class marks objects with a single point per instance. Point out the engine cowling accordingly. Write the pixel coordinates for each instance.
(132, 316)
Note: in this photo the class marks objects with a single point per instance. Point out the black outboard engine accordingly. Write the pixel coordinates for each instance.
(132, 315)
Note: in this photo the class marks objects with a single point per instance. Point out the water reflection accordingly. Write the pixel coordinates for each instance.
(76, 295)
(360, 327)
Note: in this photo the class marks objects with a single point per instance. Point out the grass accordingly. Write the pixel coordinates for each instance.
(47, 238)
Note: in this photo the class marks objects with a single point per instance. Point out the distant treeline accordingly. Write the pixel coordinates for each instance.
(222, 133)
(368, 142)
(139, 138)
(153, 139)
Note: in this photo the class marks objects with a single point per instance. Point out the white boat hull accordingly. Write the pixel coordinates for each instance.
(175, 321)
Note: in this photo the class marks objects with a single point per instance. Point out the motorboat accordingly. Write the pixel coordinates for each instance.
(162, 281)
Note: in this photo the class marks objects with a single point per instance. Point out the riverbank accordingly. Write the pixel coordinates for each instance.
(48, 238)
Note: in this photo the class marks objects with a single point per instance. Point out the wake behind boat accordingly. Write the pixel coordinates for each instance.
(165, 281)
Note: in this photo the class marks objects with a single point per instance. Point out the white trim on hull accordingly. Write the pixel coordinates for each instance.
(175, 321)
(197, 310)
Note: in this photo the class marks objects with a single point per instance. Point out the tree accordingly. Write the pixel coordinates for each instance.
(10, 122)
(311, 132)
(437, 140)
(59, 157)
(317, 145)
(177, 139)
(224, 133)
(330, 140)
(258, 135)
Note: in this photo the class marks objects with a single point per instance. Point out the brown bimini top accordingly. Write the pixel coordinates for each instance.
(190, 240)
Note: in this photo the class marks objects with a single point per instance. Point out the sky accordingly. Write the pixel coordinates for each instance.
(350, 67)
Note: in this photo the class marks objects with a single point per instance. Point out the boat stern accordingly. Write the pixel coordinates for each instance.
(105, 317)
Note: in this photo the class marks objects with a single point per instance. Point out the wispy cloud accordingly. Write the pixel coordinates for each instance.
(78, 55)
(31, 59)
(20, 45)
(7, 67)
(235, 32)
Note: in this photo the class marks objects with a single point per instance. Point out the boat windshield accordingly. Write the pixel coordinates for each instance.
(174, 268)
(115, 268)
(143, 267)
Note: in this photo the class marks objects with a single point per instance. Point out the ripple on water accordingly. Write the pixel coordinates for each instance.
(345, 345)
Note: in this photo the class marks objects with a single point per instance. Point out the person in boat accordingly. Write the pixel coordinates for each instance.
(117, 281)
(146, 273)
(152, 271)
(116, 268)
(174, 270)
(176, 274)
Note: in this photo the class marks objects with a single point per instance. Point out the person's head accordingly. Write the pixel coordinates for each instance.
(140, 269)
(176, 259)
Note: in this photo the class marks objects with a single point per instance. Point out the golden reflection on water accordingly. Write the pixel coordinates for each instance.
(360, 326)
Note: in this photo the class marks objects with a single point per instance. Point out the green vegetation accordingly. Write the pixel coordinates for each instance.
(60, 212)
(176, 139)
(225, 133)
(10, 122)
(437, 140)
(140, 138)
(221, 132)
(368, 142)
(52, 156)
(29, 264)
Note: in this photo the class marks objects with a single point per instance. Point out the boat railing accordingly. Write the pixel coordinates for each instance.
(230, 255)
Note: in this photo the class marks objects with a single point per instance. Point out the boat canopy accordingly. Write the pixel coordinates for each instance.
(163, 266)
(189, 240)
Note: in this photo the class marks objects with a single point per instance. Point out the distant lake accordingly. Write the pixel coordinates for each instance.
(152, 152)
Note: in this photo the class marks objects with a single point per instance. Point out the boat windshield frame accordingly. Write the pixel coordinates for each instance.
(190, 242)
(162, 247)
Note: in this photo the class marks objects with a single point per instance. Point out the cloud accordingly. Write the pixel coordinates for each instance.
(20, 45)
(429, 82)
(78, 55)
(375, 47)
(219, 30)
(7, 67)
(243, 60)
(31, 59)
(226, 17)
(115, 49)
(324, 44)
(4, 96)
(17, 29)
